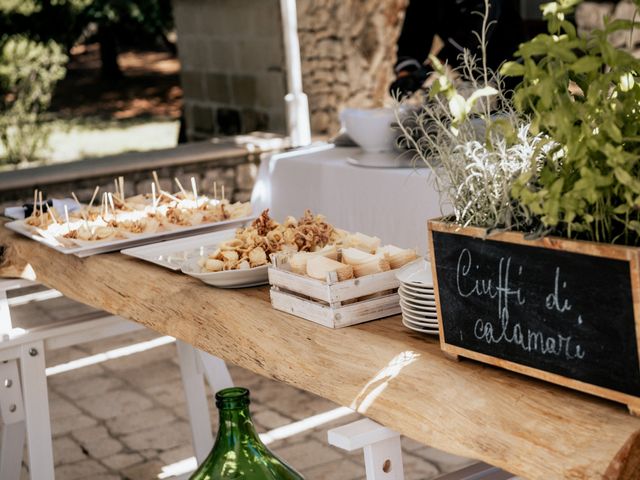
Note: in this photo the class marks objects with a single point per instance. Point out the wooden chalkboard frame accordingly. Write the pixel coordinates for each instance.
(617, 252)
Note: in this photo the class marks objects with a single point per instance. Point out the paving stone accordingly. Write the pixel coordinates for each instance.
(168, 394)
(79, 470)
(63, 355)
(60, 380)
(156, 373)
(115, 403)
(83, 435)
(416, 468)
(177, 454)
(144, 471)
(87, 387)
(307, 454)
(121, 461)
(65, 450)
(135, 422)
(270, 419)
(164, 437)
(59, 407)
(445, 461)
(102, 447)
(342, 469)
(153, 355)
(63, 425)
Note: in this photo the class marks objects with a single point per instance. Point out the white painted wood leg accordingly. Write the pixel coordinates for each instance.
(215, 370)
(36, 409)
(381, 446)
(196, 395)
(13, 425)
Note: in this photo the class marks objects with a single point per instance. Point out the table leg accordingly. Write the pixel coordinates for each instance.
(196, 395)
(36, 409)
(13, 425)
(381, 445)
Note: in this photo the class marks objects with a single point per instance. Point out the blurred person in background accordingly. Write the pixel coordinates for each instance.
(454, 22)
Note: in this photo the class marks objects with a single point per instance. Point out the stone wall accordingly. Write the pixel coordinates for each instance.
(232, 66)
(237, 172)
(232, 58)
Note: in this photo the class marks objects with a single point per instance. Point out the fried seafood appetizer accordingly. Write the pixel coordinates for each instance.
(252, 245)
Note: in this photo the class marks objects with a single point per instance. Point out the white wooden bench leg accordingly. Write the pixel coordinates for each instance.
(36, 409)
(12, 416)
(381, 445)
(215, 370)
(196, 395)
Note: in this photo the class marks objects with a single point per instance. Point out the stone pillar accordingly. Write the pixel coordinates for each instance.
(348, 51)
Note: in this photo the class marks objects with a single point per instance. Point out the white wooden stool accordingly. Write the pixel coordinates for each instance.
(24, 406)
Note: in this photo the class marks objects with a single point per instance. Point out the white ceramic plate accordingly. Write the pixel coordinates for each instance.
(417, 302)
(430, 331)
(424, 295)
(416, 274)
(227, 279)
(419, 318)
(418, 310)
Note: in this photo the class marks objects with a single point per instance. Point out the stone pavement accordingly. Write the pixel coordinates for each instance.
(126, 418)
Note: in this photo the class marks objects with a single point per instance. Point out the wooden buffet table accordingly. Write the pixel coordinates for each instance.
(395, 377)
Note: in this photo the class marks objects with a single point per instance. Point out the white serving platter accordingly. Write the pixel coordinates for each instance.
(95, 248)
(172, 254)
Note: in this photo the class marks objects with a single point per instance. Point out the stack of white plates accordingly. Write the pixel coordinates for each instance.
(417, 298)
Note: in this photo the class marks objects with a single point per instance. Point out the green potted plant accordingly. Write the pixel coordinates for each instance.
(536, 269)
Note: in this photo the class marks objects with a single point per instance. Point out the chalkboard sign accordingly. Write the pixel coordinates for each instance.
(566, 313)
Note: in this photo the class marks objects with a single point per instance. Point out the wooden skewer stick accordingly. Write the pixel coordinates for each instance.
(121, 180)
(156, 180)
(93, 197)
(195, 190)
(111, 204)
(223, 192)
(153, 197)
(35, 202)
(180, 187)
(73, 194)
(215, 190)
(115, 182)
(66, 217)
(40, 205)
(52, 215)
(169, 196)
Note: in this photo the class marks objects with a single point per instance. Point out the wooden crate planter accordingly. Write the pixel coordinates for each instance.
(331, 303)
(560, 310)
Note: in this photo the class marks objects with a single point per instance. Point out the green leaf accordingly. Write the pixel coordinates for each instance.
(512, 69)
(586, 64)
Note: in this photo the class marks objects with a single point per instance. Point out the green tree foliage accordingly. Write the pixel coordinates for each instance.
(582, 92)
(29, 72)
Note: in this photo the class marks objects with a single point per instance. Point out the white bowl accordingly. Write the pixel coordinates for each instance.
(370, 128)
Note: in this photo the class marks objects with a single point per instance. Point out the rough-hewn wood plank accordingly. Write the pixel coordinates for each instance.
(397, 378)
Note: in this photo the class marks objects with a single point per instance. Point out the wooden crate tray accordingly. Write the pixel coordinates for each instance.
(332, 303)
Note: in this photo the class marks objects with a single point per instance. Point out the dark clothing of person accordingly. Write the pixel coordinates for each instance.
(455, 22)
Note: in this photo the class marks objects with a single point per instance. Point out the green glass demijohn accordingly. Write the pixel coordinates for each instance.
(238, 452)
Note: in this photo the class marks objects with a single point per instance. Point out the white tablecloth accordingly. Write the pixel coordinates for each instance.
(393, 204)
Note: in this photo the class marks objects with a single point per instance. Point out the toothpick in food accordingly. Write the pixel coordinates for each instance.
(195, 190)
(184, 193)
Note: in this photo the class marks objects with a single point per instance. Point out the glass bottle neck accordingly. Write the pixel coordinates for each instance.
(235, 426)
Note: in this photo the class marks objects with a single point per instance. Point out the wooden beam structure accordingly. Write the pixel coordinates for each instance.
(395, 377)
